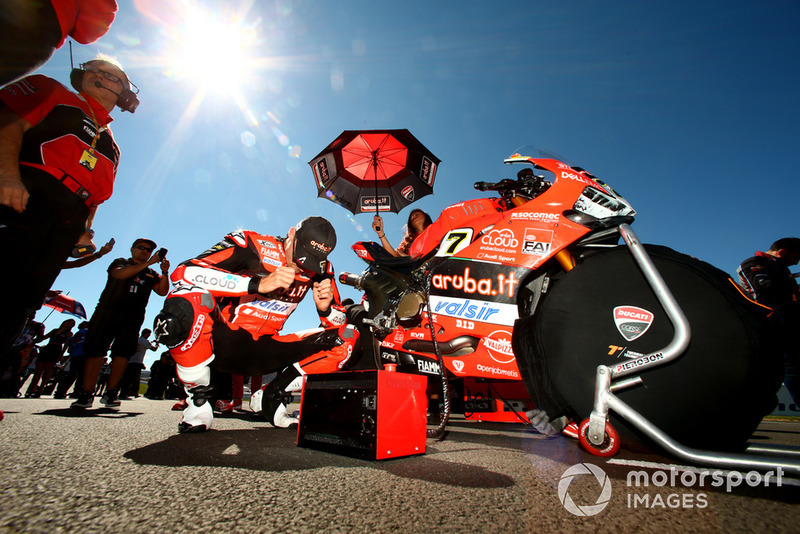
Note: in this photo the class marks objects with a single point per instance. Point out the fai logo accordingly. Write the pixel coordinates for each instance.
(632, 322)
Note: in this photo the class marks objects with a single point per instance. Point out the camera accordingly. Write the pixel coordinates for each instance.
(162, 252)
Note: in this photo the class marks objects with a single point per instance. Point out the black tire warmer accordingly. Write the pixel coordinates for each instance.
(712, 397)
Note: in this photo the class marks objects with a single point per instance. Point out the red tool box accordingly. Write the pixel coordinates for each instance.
(368, 414)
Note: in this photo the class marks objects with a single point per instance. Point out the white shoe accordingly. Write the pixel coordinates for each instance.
(281, 419)
(196, 418)
(255, 400)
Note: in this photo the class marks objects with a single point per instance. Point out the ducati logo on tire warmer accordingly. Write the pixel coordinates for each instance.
(632, 322)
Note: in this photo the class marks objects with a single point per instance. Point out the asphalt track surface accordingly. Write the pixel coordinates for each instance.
(129, 471)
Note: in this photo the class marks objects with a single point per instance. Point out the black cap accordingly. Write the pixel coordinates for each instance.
(143, 240)
(314, 239)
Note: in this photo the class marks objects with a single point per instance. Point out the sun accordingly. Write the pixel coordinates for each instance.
(213, 51)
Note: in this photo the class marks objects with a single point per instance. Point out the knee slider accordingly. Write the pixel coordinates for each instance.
(173, 324)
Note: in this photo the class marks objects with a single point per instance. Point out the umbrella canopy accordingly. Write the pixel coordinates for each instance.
(64, 304)
(374, 170)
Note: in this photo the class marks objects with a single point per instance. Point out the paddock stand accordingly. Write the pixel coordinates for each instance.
(599, 437)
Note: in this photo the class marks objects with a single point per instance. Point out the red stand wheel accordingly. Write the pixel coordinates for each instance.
(608, 448)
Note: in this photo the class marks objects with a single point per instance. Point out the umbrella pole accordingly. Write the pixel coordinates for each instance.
(375, 167)
(53, 309)
(49, 314)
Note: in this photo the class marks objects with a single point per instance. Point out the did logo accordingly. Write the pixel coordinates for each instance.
(632, 322)
(586, 510)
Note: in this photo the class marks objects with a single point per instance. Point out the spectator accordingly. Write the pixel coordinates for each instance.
(31, 31)
(102, 378)
(229, 304)
(131, 378)
(16, 360)
(767, 279)
(119, 314)
(74, 369)
(49, 356)
(418, 220)
(58, 162)
(230, 397)
(160, 373)
(29, 366)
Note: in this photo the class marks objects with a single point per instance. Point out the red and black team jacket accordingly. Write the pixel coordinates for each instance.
(64, 126)
(231, 271)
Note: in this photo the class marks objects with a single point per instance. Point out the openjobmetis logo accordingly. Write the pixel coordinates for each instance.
(632, 322)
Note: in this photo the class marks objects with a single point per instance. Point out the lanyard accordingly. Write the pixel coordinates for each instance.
(97, 129)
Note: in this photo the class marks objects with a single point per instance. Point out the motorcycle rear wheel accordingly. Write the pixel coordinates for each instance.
(712, 397)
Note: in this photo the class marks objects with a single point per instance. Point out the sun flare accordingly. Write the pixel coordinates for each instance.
(213, 51)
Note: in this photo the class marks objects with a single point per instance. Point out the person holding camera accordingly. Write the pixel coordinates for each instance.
(58, 162)
(118, 317)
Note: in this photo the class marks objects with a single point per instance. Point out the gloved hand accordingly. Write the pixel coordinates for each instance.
(541, 422)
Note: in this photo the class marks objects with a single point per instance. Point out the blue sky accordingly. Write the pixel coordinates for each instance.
(689, 109)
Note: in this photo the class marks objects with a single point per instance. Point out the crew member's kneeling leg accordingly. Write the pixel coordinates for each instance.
(185, 326)
(334, 359)
(269, 400)
(198, 415)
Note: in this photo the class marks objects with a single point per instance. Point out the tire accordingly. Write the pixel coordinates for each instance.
(712, 397)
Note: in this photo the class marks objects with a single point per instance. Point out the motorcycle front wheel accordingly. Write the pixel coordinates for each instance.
(712, 397)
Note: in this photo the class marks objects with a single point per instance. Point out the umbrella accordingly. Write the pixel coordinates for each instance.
(374, 170)
(64, 304)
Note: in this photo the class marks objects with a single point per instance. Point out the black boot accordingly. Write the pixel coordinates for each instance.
(273, 395)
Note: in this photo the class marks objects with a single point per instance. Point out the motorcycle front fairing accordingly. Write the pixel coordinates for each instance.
(487, 252)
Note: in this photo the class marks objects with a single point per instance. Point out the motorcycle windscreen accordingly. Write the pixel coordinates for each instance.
(604, 312)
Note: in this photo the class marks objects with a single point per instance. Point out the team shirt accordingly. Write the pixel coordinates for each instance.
(132, 292)
(64, 126)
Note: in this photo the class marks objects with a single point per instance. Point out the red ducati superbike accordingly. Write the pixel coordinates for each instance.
(543, 296)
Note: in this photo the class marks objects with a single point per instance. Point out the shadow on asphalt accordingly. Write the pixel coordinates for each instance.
(270, 449)
(109, 413)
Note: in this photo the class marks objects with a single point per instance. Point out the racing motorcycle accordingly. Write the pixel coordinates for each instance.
(542, 296)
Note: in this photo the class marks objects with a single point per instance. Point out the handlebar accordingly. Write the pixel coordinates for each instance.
(527, 185)
(502, 185)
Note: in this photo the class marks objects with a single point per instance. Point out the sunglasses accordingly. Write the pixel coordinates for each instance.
(142, 247)
(107, 75)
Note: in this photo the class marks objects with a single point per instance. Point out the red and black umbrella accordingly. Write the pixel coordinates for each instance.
(64, 304)
(374, 170)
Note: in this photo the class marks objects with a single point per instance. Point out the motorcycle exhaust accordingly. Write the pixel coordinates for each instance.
(449, 347)
(352, 280)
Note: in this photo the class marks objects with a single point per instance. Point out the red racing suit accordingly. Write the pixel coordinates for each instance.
(237, 327)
